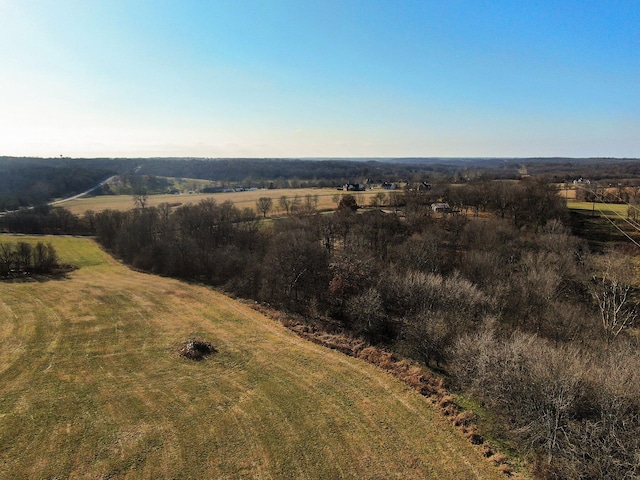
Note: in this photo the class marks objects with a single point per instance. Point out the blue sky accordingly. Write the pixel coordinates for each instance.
(326, 78)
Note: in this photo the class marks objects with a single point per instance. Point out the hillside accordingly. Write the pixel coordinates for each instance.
(93, 387)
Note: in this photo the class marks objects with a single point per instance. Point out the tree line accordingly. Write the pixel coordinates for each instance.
(22, 258)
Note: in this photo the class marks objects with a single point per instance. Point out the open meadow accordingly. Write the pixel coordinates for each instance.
(246, 199)
(92, 386)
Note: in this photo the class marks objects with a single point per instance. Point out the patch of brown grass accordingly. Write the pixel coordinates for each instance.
(416, 376)
(92, 386)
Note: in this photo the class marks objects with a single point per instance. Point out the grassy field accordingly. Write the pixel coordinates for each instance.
(92, 386)
(604, 224)
(609, 209)
(240, 199)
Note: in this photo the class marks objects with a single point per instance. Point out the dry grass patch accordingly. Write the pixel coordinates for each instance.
(92, 387)
(240, 199)
(416, 376)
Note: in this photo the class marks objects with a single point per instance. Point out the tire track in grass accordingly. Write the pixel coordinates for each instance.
(358, 365)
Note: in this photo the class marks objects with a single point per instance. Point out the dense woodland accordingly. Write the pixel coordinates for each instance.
(500, 296)
(29, 182)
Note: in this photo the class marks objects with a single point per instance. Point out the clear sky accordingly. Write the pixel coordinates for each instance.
(320, 78)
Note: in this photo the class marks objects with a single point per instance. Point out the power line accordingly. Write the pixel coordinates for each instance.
(619, 229)
(631, 222)
(635, 225)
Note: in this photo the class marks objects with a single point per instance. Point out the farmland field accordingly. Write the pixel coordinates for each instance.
(609, 209)
(241, 200)
(93, 387)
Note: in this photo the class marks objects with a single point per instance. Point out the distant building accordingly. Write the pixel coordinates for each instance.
(355, 187)
(440, 207)
(581, 180)
(388, 186)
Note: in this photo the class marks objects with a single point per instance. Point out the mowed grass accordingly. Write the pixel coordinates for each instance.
(614, 210)
(240, 199)
(92, 386)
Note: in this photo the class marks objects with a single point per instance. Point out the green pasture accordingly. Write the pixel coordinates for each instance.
(608, 209)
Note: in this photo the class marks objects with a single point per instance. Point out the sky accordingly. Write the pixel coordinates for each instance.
(320, 78)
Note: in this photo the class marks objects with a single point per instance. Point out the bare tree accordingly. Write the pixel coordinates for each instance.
(365, 313)
(536, 385)
(44, 257)
(263, 205)
(24, 253)
(297, 267)
(140, 197)
(295, 204)
(285, 203)
(7, 257)
(378, 199)
(612, 291)
(140, 189)
(311, 202)
(428, 335)
(396, 199)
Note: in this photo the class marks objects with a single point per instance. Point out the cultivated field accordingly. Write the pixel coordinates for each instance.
(92, 386)
(240, 199)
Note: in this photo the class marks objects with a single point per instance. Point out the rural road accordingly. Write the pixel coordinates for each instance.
(83, 193)
(62, 200)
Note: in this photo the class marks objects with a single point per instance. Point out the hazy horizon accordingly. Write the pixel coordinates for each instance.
(330, 79)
